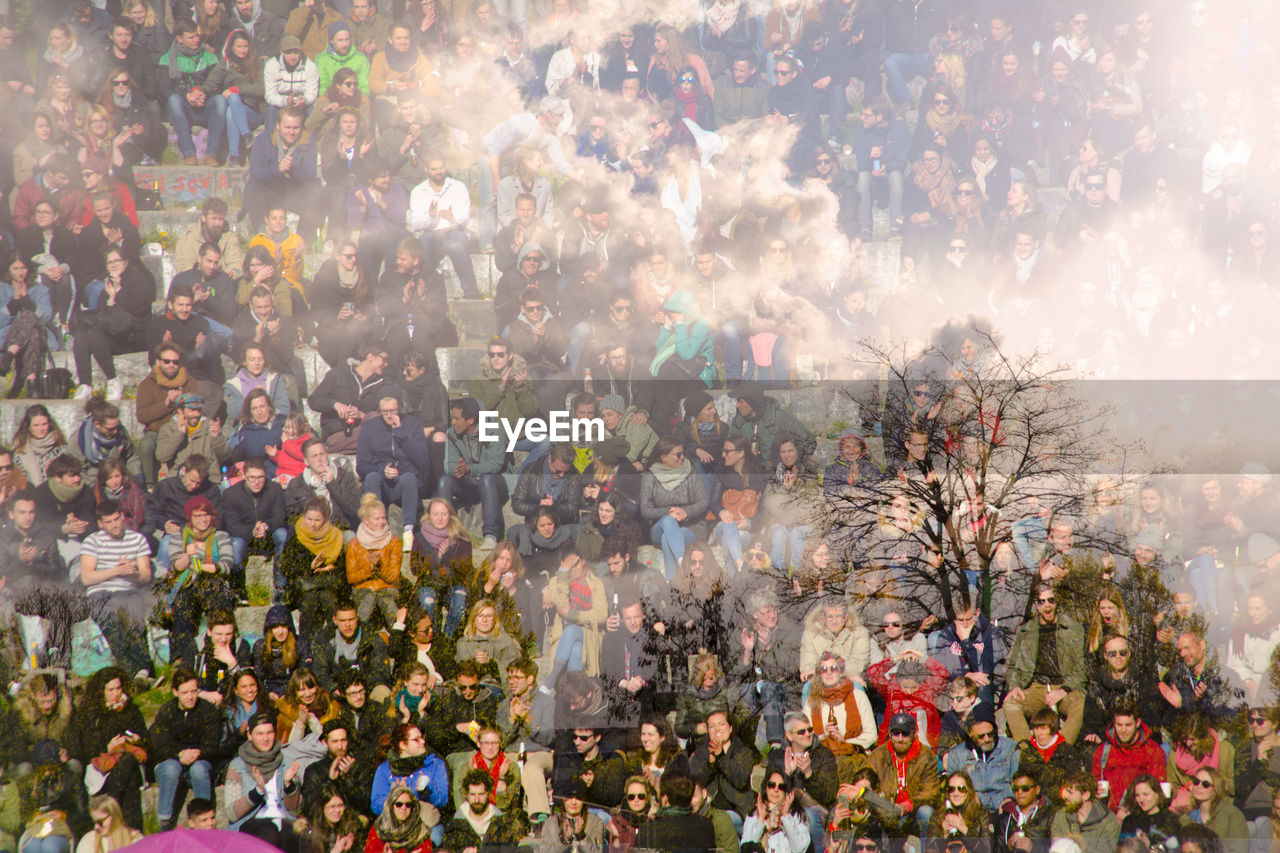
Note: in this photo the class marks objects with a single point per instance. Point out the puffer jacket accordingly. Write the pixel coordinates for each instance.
(852, 642)
(279, 83)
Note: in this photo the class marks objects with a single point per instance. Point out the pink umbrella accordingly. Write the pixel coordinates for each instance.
(201, 841)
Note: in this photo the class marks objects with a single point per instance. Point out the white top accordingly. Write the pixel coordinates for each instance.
(452, 196)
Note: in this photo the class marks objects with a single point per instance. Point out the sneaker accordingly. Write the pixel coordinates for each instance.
(189, 160)
(408, 537)
(142, 681)
(489, 543)
(115, 389)
(83, 392)
(209, 160)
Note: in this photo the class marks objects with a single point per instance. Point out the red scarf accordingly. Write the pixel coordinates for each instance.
(690, 101)
(900, 768)
(1046, 752)
(495, 772)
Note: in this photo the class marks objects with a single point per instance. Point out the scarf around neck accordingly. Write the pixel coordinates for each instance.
(401, 61)
(66, 57)
(371, 541)
(165, 382)
(65, 494)
(946, 125)
(326, 543)
(981, 170)
(672, 478)
(434, 535)
(267, 762)
(176, 50)
(938, 186)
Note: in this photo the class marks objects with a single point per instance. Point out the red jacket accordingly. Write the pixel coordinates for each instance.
(124, 203)
(29, 193)
(1126, 763)
(896, 699)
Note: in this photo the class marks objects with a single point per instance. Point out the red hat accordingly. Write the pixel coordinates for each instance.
(198, 503)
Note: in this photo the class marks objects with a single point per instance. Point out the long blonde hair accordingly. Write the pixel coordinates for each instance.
(1112, 594)
(120, 835)
(470, 630)
(130, 5)
(954, 74)
(457, 530)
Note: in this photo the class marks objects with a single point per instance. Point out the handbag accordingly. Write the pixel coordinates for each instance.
(741, 503)
(54, 383)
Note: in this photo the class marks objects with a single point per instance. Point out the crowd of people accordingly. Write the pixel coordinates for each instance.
(677, 644)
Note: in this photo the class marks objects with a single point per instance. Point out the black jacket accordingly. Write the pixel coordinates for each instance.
(821, 783)
(728, 778)
(278, 347)
(344, 495)
(372, 659)
(527, 497)
(166, 501)
(51, 512)
(242, 509)
(89, 733)
(175, 730)
(46, 568)
(342, 385)
(679, 830)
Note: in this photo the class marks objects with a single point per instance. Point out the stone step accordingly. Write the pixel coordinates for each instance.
(474, 319)
(459, 364)
(250, 619)
(188, 186)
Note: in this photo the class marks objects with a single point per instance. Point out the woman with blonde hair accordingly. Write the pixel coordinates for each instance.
(1212, 807)
(109, 832)
(484, 641)
(948, 72)
(708, 691)
(441, 560)
(501, 579)
(99, 140)
(373, 563)
(1109, 617)
(671, 55)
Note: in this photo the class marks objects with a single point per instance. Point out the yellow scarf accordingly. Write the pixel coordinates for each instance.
(165, 382)
(327, 544)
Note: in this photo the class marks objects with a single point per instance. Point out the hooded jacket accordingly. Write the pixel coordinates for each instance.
(264, 28)
(540, 353)
(511, 400)
(272, 669)
(1052, 764)
(897, 699)
(279, 82)
(641, 439)
(1034, 826)
(1121, 763)
(506, 296)
(329, 63)
(768, 422)
(689, 339)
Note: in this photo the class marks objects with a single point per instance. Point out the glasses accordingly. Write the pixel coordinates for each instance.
(531, 309)
(467, 688)
(577, 736)
(402, 804)
(1080, 22)
(621, 309)
(537, 259)
(823, 161)
(1204, 783)
(678, 454)
(804, 731)
(351, 256)
(1254, 719)
(774, 786)
(957, 789)
(499, 354)
(829, 668)
(169, 360)
(1022, 789)
(654, 124)
(1257, 232)
(111, 261)
(785, 72)
(1118, 653)
(686, 79)
(961, 249)
(1046, 600)
(1094, 187)
(942, 100)
(347, 83)
(894, 624)
(640, 797)
(101, 822)
(866, 845)
(991, 735)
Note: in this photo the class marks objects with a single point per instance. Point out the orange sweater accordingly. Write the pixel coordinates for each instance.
(374, 569)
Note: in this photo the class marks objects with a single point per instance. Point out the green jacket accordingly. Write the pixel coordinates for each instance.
(1022, 655)
(512, 402)
(328, 63)
(641, 439)
(770, 422)
(483, 457)
(1097, 833)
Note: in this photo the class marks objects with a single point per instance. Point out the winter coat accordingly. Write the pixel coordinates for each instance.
(897, 699)
(343, 385)
(89, 736)
(728, 778)
(243, 802)
(432, 768)
(1256, 782)
(923, 785)
(591, 621)
(1097, 832)
(168, 499)
(36, 726)
(482, 457)
(991, 772)
(982, 651)
(242, 509)
(1249, 654)
(373, 660)
(852, 642)
(511, 401)
(344, 496)
(176, 729)
(526, 500)
(1034, 826)
(691, 496)
(1022, 654)
(405, 447)
(1053, 764)
(768, 423)
(279, 83)
(176, 443)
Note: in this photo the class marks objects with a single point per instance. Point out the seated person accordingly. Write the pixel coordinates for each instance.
(197, 563)
(553, 483)
(157, 401)
(342, 643)
(348, 395)
(181, 88)
(193, 332)
(189, 251)
(286, 250)
(393, 458)
(254, 373)
(321, 478)
(253, 515)
(722, 764)
(313, 567)
(111, 319)
(190, 432)
(374, 558)
(263, 325)
(64, 502)
(184, 742)
(166, 503)
(989, 759)
(473, 470)
(290, 180)
(115, 568)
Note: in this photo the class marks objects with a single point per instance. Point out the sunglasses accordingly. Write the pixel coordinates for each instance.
(1203, 783)
(686, 79)
(893, 624)
(497, 355)
(621, 309)
(637, 796)
(805, 731)
(1253, 718)
(957, 789)
(1022, 788)
(775, 786)
(942, 100)
(349, 255)
(961, 249)
(583, 737)
(169, 360)
(823, 161)
(1118, 653)
(1095, 187)
(866, 845)
(828, 669)
(964, 192)
(531, 309)
(101, 822)
(1049, 600)
(403, 804)
(347, 83)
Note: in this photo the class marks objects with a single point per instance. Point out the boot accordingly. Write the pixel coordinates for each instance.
(6, 361)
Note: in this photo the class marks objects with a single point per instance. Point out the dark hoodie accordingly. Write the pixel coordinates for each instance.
(1035, 826)
(272, 669)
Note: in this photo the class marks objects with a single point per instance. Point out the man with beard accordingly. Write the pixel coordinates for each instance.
(439, 210)
(596, 232)
(1196, 682)
(64, 503)
(989, 759)
(526, 227)
(213, 289)
(190, 432)
(629, 665)
(157, 401)
(526, 720)
(908, 770)
(479, 823)
(810, 766)
(179, 324)
(348, 395)
(1083, 819)
(1115, 680)
(531, 269)
(212, 229)
(338, 767)
(282, 172)
(1127, 752)
(1045, 667)
(1022, 824)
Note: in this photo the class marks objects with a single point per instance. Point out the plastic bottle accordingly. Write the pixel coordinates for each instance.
(410, 327)
(587, 383)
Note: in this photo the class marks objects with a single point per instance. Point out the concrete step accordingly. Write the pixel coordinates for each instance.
(459, 364)
(474, 319)
(250, 619)
(188, 186)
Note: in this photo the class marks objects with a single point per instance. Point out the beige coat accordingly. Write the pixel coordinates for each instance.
(592, 623)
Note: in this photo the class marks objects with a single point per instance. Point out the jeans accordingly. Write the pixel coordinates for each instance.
(183, 116)
(730, 340)
(50, 844)
(451, 243)
(867, 184)
(568, 651)
(782, 538)
(775, 374)
(121, 617)
(770, 699)
(901, 68)
(241, 120)
(488, 490)
(672, 539)
(1202, 572)
(924, 814)
(169, 772)
(403, 489)
(516, 10)
(579, 337)
(240, 547)
(730, 535)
